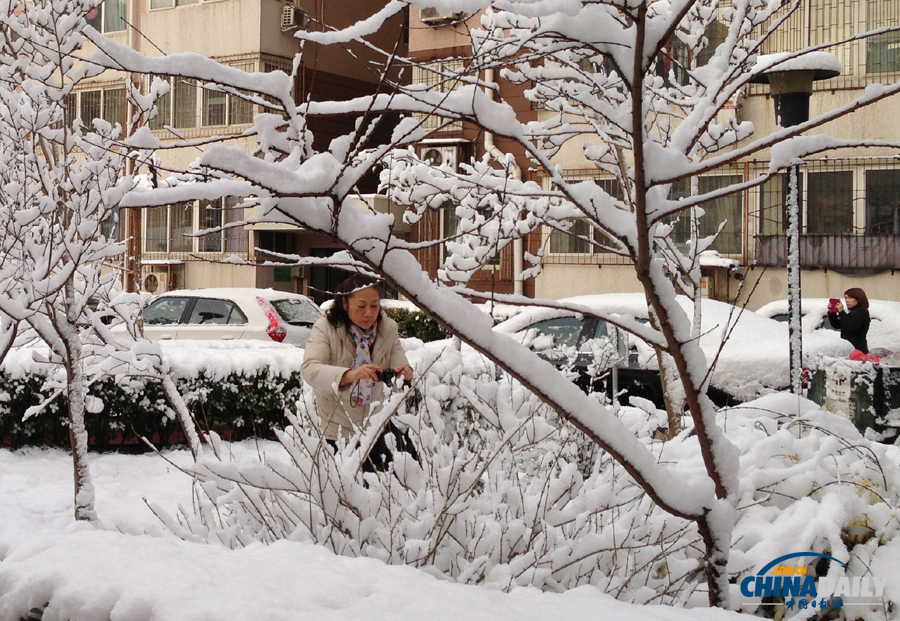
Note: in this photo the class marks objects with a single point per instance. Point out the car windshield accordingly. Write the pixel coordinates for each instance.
(164, 311)
(297, 312)
(565, 331)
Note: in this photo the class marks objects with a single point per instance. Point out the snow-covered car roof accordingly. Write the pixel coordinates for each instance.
(884, 330)
(235, 293)
(754, 359)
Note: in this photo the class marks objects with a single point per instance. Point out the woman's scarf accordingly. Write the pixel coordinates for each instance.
(363, 340)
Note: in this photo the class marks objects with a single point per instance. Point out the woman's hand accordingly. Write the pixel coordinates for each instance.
(840, 307)
(365, 372)
(405, 371)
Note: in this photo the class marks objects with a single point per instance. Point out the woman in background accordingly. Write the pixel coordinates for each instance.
(854, 322)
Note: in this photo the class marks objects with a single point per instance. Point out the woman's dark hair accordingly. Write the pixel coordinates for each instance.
(859, 295)
(337, 314)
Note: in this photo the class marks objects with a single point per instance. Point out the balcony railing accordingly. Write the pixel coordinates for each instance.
(832, 251)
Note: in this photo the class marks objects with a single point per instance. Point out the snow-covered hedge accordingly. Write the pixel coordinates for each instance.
(238, 389)
(504, 494)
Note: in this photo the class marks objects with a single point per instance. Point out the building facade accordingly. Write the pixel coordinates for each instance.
(850, 218)
(850, 199)
(254, 36)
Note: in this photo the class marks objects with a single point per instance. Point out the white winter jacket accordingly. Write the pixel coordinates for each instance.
(329, 354)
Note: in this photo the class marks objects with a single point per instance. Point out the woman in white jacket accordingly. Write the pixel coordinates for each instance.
(348, 348)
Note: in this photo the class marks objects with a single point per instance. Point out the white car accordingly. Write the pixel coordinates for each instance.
(884, 331)
(230, 314)
(753, 360)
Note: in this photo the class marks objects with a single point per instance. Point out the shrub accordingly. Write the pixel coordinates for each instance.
(416, 324)
(235, 405)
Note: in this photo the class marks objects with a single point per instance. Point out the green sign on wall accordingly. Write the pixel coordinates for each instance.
(282, 274)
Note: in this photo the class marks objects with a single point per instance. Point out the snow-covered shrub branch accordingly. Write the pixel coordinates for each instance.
(505, 494)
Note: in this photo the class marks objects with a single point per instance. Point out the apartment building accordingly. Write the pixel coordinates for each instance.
(255, 36)
(850, 199)
(850, 219)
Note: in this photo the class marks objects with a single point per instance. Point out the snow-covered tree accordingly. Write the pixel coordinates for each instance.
(61, 182)
(638, 86)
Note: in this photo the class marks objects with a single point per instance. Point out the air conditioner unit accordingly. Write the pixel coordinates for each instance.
(293, 18)
(441, 155)
(156, 282)
(434, 18)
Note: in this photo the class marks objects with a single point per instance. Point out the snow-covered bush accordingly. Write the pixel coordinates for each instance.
(416, 324)
(241, 394)
(505, 494)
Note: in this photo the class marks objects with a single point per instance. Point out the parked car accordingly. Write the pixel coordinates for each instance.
(753, 360)
(884, 330)
(231, 314)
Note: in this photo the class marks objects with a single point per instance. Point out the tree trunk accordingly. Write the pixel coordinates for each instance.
(75, 392)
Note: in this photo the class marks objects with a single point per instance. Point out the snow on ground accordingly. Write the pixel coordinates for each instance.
(119, 573)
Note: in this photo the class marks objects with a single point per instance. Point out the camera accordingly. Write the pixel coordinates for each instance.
(387, 376)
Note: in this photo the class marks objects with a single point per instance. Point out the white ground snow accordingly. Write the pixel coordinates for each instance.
(120, 574)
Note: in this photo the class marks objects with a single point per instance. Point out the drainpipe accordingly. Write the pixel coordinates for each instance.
(494, 151)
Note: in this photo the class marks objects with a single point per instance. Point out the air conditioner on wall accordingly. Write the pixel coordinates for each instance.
(440, 155)
(293, 18)
(156, 282)
(434, 18)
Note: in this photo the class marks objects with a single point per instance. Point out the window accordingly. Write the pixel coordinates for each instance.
(181, 225)
(163, 110)
(181, 115)
(169, 228)
(168, 4)
(109, 16)
(450, 227)
(829, 205)
(572, 242)
(109, 227)
(222, 109)
(832, 20)
(235, 237)
(565, 331)
(716, 34)
(575, 241)
(728, 209)
(883, 202)
(215, 108)
(296, 312)
(165, 311)
(210, 218)
(155, 237)
(107, 104)
(773, 201)
(437, 78)
(185, 109)
(209, 312)
(673, 62)
(883, 51)
(89, 107)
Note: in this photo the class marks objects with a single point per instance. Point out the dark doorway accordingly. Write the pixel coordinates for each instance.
(323, 279)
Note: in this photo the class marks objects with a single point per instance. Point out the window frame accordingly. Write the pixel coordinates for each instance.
(611, 186)
(100, 18)
(75, 102)
(161, 231)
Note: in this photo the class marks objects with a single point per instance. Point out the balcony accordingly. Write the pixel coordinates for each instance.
(875, 252)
